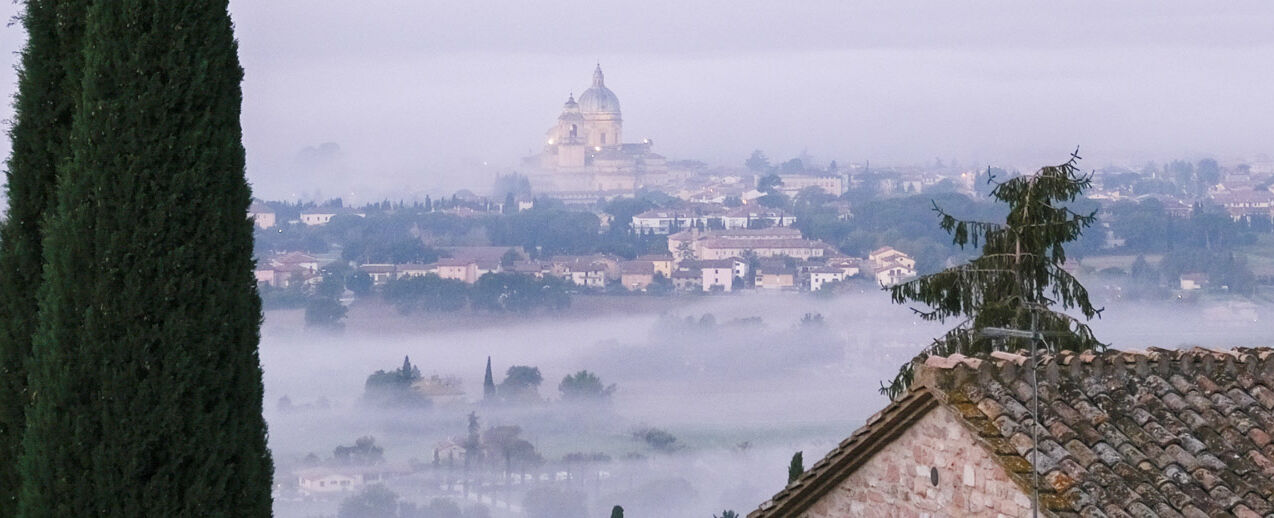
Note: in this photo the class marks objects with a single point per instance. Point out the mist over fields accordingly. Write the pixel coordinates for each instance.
(777, 385)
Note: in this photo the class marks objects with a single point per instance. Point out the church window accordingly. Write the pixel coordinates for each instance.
(574, 130)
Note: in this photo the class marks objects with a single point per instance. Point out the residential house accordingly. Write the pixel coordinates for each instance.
(284, 270)
(850, 266)
(894, 273)
(637, 275)
(564, 265)
(715, 274)
(724, 244)
(1246, 203)
(793, 184)
(450, 453)
(1181, 433)
(537, 269)
(464, 270)
(752, 215)
(340, 479)
(262, 215)
(662, 263)
(820, 276)
(486, 254)
(776, 277)
(414, 270)
(264, 275)
(890, 266)
(590, 275)
(888, 254)
(324, 215)
(441, 390)
(1193, 281)
(381, 274)
(687, 280)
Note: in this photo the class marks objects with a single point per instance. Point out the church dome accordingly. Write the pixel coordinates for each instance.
(598, 99)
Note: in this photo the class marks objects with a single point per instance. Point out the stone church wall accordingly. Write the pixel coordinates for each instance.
(896, 482)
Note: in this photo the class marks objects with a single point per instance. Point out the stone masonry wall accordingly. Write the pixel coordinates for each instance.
(896, 482)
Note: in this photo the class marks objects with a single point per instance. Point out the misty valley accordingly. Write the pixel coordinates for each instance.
(698, 406)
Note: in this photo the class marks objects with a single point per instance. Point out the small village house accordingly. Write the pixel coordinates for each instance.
(262, 215)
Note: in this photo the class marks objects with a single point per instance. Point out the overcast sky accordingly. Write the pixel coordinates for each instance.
(419, 95)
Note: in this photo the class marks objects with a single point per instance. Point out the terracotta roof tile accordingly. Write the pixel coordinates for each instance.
(1123, 433)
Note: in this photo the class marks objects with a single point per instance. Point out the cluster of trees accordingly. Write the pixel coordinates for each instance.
(658, 439)
(521, 386)
(394, 388)
(1177, 178)
(397, 233)
(129, 317)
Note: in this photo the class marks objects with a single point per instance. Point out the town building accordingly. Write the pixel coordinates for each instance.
(324, 215)
(283, 270)
(584, 152)
(262, 215)
(716, 274)
(340, 479)
(792, 184)
(725, 244)
(381, 274)
(663, 264)
(710, 217)
(890, 266)
(637, 275)
(821, 276)
(1193, 281)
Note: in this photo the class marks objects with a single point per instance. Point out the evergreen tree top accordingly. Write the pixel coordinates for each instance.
(1017, 281)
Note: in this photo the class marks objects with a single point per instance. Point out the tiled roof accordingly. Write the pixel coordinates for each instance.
(1133, 433)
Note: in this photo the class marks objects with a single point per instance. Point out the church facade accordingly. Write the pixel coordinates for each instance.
(585, 154)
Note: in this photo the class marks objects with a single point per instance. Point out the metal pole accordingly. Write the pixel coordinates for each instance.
(1035, 430)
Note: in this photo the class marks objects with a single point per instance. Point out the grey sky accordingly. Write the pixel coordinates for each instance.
(419, 95)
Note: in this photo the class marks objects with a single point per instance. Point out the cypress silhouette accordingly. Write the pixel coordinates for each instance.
(48, 85)
(488, 384)
(146, 381)
(796, 468)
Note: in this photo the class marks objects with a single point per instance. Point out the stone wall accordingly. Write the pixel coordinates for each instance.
(897, 480)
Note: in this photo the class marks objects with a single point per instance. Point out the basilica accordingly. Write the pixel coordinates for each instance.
(584, 152)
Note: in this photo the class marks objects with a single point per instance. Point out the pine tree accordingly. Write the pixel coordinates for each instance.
(488, 384)
(796, 468)
(1017, 280)
(48, 82)
(146, 380)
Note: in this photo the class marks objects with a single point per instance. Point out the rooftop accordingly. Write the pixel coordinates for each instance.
(1132, 433)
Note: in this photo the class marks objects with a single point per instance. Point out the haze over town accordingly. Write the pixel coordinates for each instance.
(437, 96)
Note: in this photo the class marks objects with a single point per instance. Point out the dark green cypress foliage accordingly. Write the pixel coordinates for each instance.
(149, 314)
(488, 384)
(47, 84)
(796, 468)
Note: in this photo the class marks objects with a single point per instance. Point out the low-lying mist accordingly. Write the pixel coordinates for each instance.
(738, 382)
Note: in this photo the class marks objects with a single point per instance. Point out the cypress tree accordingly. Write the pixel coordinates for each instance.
(796, 468)
(48, 80)
(146, 377)
(488, 384)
